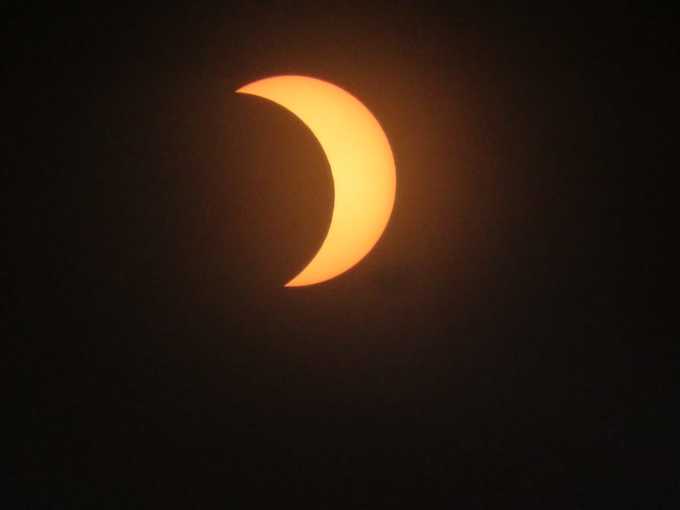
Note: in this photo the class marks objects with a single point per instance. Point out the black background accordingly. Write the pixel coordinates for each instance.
(478, 354)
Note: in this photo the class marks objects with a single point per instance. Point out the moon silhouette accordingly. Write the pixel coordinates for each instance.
(361, 164)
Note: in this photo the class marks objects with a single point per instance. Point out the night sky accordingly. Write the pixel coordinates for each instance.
(480, 353)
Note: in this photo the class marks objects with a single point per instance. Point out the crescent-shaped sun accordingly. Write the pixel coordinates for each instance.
(361, 164)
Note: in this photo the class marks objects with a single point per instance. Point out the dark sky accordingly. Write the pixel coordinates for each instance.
(479, 354)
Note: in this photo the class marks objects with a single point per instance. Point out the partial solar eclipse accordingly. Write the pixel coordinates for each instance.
(361, 164)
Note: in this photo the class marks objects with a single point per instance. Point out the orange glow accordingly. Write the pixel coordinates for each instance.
(361, 163)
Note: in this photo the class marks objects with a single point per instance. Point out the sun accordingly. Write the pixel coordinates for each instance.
(361, 163)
